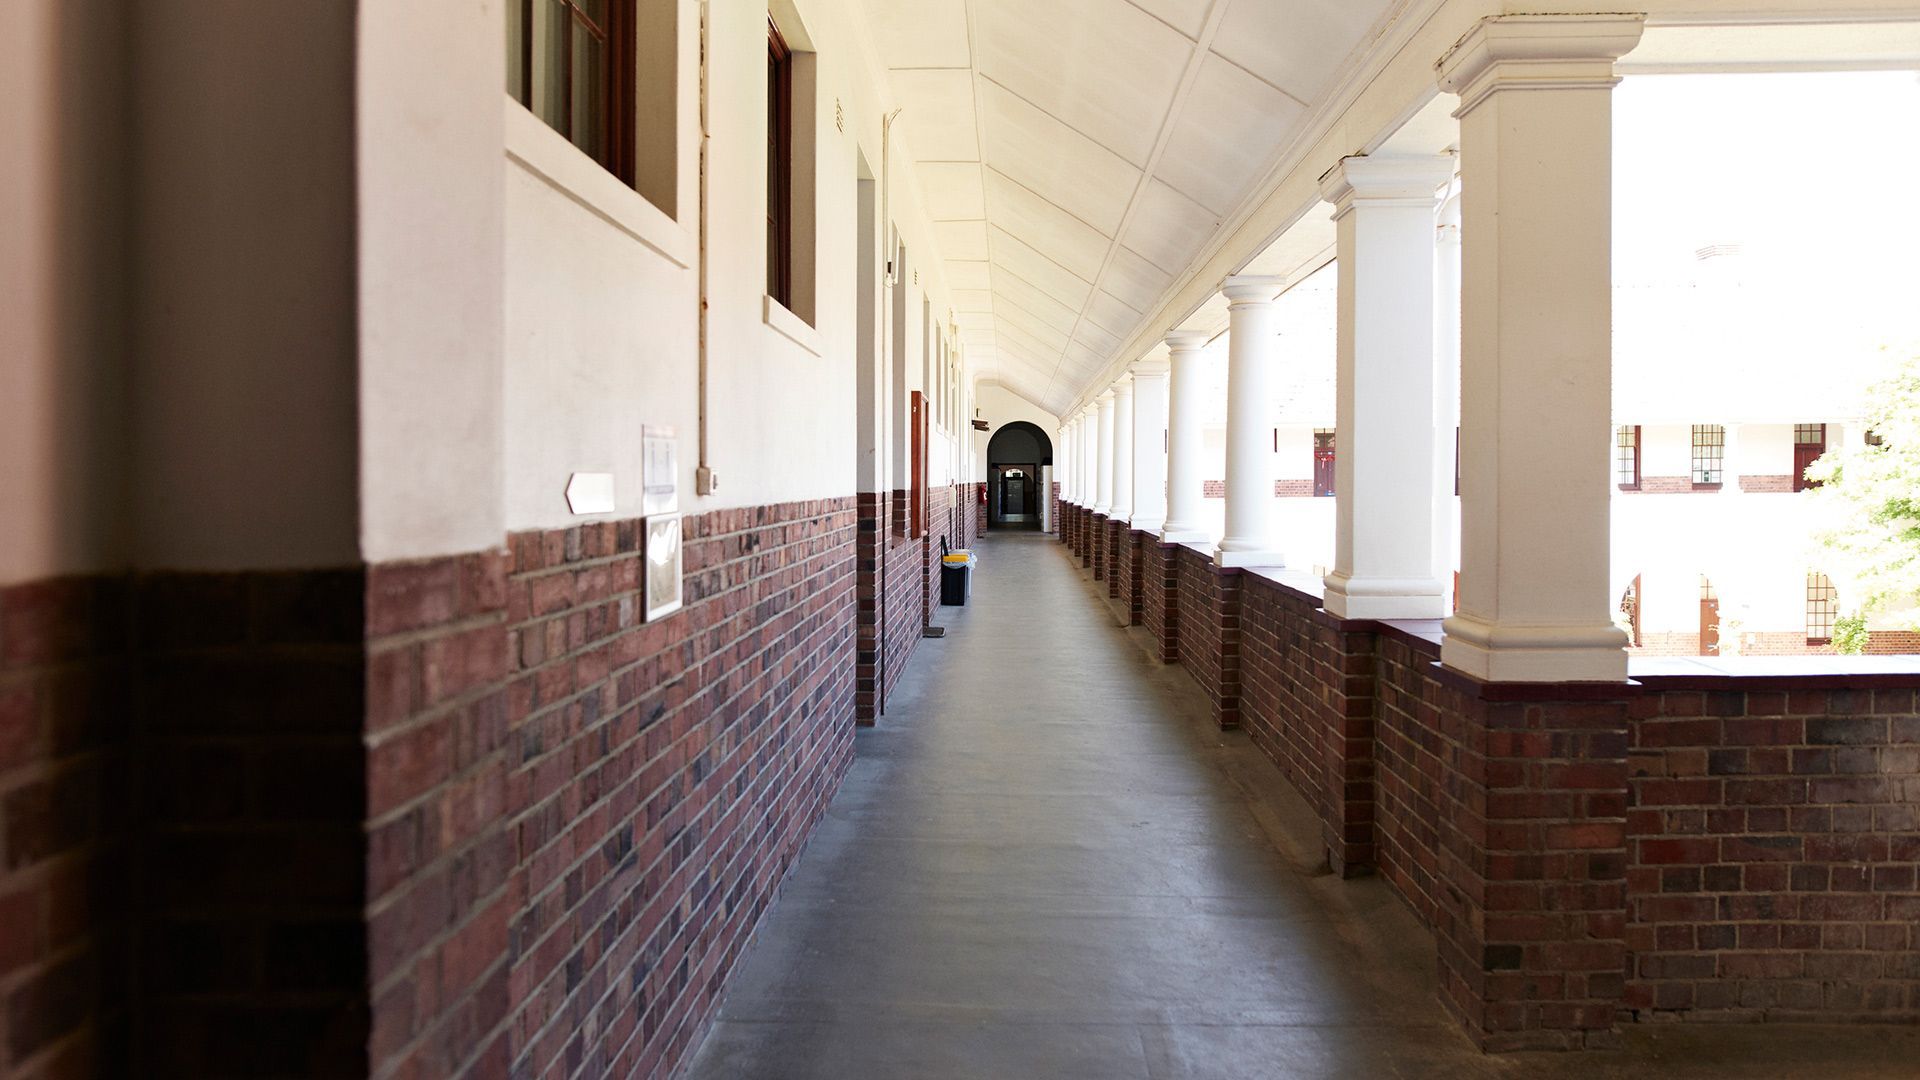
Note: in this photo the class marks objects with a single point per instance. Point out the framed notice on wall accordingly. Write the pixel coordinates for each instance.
(662, 565)
(660, 471)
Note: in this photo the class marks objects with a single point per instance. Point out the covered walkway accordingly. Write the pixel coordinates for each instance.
(1047, 861)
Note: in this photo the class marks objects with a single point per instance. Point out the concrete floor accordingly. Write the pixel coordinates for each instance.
(1046, 864)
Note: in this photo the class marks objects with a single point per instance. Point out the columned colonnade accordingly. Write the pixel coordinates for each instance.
(1533, 318)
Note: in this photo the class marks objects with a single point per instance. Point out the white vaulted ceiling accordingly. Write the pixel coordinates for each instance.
(1077, 154)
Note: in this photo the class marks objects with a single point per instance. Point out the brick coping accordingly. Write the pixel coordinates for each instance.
(1733, 673)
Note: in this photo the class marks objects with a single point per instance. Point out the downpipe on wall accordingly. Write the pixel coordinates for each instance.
(705, 481)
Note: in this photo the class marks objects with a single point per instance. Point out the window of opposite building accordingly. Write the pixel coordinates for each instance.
(1709, 454)
(1809, 442)
(1323, 461)
(1626, 457)
(1823, 606)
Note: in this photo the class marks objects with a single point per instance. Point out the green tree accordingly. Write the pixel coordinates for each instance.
(1870, 498)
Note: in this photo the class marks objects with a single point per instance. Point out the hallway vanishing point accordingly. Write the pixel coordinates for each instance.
(1047, 863)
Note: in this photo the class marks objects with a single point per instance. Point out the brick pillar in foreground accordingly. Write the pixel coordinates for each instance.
(1531, 917)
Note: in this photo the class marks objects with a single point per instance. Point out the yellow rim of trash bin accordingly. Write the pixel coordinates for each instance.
(954, 560)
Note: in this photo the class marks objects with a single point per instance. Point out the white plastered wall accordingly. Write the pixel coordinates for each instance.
(242, 347)
(62, 195)
(999, 406)
(601, 326)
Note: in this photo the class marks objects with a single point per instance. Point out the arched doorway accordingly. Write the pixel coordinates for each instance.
(1015, 456)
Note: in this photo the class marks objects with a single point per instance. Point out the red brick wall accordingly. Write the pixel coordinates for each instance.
(576, 818)
(181, 790)
(902, 613)
(1775, 838)
(1768, 868)
(1098, 532)
(1114, 540)
(1133, 548)
(253, 779)
(1415, 753)
(1306, 696)
(1160, 596)
(64, 844)
(1669, 485)
(1210, 630)
(1053, 493)
(1782, 482)
(871, 538)
(1500, 819)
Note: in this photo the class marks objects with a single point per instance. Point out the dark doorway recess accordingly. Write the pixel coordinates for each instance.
(1015, 456)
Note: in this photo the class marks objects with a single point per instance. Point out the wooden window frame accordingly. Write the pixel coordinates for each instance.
(1620, 445)
(1823, 607)
(779, 167)
(1708, 451)
(618, 119)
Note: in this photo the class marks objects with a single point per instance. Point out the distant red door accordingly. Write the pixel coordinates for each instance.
(1809, 442)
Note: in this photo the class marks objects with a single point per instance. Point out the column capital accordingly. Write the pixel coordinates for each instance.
(1536, 52)
(1123, 384)
(1148, 366)
(1394, 180)
(1105, 399)
(1187, 340)
(1252, 288)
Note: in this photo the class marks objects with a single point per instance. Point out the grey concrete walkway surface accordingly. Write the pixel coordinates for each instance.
(1046, 864)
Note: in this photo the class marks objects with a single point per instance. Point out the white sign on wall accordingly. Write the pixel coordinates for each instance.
(660, 471)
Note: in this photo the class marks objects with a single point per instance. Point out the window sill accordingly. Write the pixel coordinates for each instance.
(547, 154)
(790, 326)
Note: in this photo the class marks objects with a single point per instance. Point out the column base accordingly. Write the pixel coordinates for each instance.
(1146, 525)
(1241, 559)
(1534, 653)
(1383, 598)
(1182, 534)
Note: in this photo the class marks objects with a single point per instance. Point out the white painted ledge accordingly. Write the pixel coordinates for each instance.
(547, 154)
(791, 326)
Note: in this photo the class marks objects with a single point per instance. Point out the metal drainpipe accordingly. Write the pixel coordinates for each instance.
(886, 346)
(703, 478)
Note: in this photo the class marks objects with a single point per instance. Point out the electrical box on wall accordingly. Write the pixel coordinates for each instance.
(705, 481)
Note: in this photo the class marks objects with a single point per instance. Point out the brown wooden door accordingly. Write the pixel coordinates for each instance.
(1804, 455)
(917, 494)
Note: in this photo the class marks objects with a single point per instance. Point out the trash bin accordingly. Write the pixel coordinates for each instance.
(956, 578)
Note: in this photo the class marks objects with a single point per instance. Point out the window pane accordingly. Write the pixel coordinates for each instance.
(550, 22)
(516, 50)
(596, 10)
(589, 94)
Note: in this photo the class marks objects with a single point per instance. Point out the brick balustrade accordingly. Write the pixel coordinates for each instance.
(1682, 847)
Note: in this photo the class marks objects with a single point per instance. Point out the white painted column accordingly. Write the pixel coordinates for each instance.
(1536, 116)
(1149, 446)
(1065, 459)
(1103, 500)
(1446, 397)
(1122, 449)
(1252, 351)
(1186, 397)
(1384, 527)
(1090, 443)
